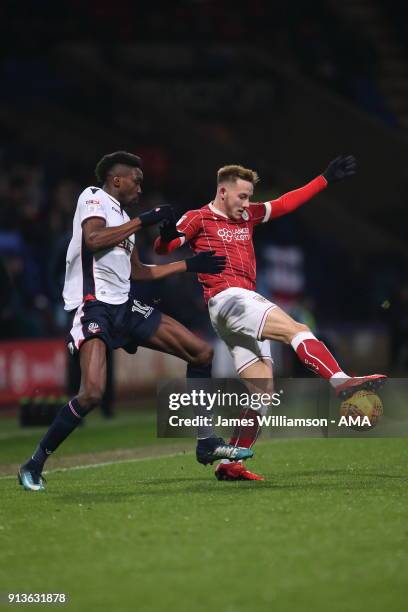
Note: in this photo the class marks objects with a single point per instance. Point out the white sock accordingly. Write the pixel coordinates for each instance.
(338, 379)
(298, 338)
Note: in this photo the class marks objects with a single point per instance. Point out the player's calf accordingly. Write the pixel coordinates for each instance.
(66, 421)
(317, 357)
(314, 354)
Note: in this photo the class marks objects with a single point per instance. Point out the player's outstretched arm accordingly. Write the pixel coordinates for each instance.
(339, 169)
(205, 262)
(99, 237)
(169, 239)
(173, 235)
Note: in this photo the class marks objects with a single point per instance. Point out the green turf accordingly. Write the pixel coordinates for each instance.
(126, 430)
(327, 530)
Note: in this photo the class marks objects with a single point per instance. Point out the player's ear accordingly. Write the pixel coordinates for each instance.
(116, 181)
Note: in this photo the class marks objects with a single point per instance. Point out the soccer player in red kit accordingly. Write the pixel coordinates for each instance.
(242, 318)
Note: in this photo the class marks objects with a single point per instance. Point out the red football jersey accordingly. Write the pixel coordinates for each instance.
(207, 229)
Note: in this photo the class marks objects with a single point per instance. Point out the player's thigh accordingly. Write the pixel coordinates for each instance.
(247, 352)
(92, 359)
(280, 326)
(239, 311)
(175, 339)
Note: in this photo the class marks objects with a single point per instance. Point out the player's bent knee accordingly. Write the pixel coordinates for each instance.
(297, 329)
(90, 397)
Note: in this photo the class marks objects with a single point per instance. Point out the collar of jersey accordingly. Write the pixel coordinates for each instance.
(112, 198)
(218, 212)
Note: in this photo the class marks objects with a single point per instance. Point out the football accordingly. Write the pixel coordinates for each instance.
(362, 404)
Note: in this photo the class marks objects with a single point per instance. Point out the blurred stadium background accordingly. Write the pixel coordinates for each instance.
(191, 86)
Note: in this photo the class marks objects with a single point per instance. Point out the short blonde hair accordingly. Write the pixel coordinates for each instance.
(233, 173)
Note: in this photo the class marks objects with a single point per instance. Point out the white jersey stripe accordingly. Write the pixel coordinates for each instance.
(268, 212)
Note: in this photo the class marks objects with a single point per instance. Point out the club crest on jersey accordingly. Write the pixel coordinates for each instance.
(94, 328)
(245, 215)
(239, 233)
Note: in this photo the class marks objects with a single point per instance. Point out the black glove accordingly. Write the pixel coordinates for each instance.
(168, 231)
(206, 262)
(156, 215)
(340, 168)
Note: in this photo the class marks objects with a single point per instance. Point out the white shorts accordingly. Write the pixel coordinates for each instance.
(238, 317)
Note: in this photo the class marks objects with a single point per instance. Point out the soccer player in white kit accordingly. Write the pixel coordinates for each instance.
(243, 319)
(101, 259)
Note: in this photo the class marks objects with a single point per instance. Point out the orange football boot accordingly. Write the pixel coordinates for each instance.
(235, 471)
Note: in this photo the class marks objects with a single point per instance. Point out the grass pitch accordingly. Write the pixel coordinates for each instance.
(326, 530)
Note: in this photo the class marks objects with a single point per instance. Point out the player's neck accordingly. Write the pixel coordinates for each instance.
(218, 205)
(112, 192)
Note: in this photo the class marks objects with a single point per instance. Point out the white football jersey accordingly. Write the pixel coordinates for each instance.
(104, 274)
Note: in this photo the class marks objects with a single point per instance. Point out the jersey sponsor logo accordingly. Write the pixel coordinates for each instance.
(228, 235)
(116, 210)
(93, 206)
(142, 309)
(94, 328)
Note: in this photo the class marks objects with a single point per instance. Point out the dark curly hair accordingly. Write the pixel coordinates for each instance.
(111, 159)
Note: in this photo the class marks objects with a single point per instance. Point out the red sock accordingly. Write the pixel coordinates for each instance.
(246, 435)
(315, 355)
